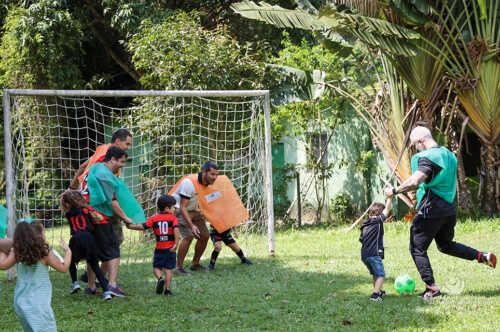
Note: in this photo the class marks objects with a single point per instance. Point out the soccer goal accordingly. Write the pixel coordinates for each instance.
(49, 133)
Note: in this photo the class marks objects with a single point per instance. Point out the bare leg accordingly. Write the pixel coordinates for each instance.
(182, 252)
(168, 275)
(199, 249)
(157, 273)
(113, 270)
(378, 285)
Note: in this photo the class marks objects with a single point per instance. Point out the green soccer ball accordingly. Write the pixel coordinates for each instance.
(404, 284)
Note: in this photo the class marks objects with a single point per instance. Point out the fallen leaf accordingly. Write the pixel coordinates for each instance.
(285, 301)
(346, 322)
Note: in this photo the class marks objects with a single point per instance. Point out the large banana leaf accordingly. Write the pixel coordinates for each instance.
(388, 37)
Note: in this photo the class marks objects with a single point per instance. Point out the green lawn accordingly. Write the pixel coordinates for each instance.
(316, 282)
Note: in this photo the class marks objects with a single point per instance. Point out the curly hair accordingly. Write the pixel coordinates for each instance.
(29, 243)
(74, 199)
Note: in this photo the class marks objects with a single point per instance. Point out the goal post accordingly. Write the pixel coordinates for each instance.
(47, 133)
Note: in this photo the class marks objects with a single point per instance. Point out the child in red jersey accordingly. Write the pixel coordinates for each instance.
(164, 225)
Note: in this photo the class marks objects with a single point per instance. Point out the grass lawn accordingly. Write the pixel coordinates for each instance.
(316, 282)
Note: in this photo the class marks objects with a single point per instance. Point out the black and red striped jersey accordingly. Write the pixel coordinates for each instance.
(163, 225)
(79, 220)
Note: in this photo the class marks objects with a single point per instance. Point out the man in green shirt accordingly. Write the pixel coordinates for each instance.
(434, 173)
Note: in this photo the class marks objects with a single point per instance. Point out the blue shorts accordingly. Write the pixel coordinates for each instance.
(164, 259)
(375, 266)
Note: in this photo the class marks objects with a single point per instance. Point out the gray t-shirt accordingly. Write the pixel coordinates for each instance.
(186, 190)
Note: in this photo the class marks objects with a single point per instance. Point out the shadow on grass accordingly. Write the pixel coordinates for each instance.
(268, 295)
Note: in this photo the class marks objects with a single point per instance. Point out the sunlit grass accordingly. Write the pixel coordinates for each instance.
(316, 282)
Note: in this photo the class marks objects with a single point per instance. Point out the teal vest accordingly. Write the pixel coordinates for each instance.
(103, 184)
(444, 183)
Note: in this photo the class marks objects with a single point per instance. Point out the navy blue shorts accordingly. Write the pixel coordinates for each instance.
(375, 266)
(164, 259)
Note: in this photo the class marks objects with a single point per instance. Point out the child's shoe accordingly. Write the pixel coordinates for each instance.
(211, 267)
(90, 291)
(106, 295)
(168, 292)
(159, 285)
(376, 297)
(246, 261)
(75, 287)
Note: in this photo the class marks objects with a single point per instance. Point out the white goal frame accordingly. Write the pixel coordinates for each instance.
(9, 171)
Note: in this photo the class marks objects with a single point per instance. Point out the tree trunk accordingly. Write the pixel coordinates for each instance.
(463, 193)
(488, 161)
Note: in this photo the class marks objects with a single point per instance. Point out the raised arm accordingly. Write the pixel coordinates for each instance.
(54, 262)
(388, 205)
(74, 182)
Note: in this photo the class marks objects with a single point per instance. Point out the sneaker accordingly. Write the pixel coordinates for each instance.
(75, 287)
(159, 285)
(116, 291)
(376, 297)
(246, 261)
(430, 293)
(180, 272)
(488, 258)
(197, 267)
(106, 295)
(84, 277)
(211, 267)
(90, 291)
(168, 292)
(382, 293)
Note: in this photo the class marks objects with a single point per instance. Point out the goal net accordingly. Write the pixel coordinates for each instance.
(50, 133)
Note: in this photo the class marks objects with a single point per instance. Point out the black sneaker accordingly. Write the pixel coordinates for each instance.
(180, 272)
(246, 261)
(211, 267)
(488, 258)
(197, 267)
(168, 292)
(376, 297)
(84, 277)
(159, 285)
(90, 291)
(382, 293)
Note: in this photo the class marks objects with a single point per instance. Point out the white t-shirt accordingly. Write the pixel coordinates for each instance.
(186, 189)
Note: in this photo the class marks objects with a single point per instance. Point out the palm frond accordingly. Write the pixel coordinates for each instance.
(388, 37)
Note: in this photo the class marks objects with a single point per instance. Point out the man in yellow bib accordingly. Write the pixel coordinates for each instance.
(192, 222)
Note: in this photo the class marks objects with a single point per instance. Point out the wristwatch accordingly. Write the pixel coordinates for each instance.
(394, 191)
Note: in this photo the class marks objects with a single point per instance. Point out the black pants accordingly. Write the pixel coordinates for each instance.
(423, 231)
(83, 246)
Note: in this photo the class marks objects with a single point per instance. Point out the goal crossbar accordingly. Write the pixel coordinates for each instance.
(8, 141)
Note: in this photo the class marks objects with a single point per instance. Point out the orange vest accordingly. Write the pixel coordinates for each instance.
(98, 154)
(219, 202)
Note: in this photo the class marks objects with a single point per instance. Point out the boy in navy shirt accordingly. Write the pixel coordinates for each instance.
(165, 227)
(372, 249)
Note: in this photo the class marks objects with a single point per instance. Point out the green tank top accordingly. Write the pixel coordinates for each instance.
(444, 184)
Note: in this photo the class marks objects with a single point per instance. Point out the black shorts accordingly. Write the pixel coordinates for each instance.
(106, 241)
(225, 237)
(164, 259)
(83, 247)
